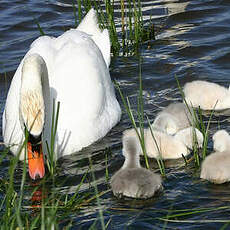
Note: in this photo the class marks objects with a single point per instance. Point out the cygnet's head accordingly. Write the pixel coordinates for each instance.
(221, 141)
(165, 122)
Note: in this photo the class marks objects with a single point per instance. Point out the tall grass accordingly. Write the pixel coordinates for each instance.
(51, 161)
(132, 34)
(198, 123)
(140, 131)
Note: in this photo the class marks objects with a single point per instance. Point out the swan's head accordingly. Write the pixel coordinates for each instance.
(32, 111)
(221, 140)
(165, 122)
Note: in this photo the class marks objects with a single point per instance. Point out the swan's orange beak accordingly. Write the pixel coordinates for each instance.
(35, 161)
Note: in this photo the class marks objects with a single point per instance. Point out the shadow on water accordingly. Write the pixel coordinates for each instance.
(192, 42)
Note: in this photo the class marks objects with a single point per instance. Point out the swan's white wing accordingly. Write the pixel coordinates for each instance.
(82, 84)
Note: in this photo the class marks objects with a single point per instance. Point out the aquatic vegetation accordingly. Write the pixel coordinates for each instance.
(127, 39)
(198, 123)
(20, 207)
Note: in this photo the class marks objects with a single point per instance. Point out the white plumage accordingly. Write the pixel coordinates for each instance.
(173, 118)
(164, 145)
(78, 76)
(215, 167)
(207, 95)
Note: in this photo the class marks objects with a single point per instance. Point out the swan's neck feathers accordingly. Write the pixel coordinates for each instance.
(32, 107)
(130, 151)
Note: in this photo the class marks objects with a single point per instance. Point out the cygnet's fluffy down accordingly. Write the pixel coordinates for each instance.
(173, 118)
(132, 180)
(164, 145)
(189, 136)
(207, 95)
(216, 166)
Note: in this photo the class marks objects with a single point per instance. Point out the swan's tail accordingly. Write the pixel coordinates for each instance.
(89, 25)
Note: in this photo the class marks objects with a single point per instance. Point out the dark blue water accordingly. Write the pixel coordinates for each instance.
(192, 42)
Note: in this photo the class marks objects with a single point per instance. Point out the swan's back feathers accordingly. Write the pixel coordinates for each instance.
(90, 26)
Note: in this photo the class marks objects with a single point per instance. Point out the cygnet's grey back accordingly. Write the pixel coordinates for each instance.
(132, 180)
(135, 183)
(221, 141)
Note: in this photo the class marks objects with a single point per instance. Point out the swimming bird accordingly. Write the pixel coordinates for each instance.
(132, 180)
(215, 166)
(72, 69)
(160, 144)
(207, 95)
(173, 118)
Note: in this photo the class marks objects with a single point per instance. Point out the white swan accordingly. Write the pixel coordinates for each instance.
(207, 95)
(215, 167)
(167, 146)
(72, 69)
(132, 180)
(173, 118)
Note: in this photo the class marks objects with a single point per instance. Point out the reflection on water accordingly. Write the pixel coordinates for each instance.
(192, 42)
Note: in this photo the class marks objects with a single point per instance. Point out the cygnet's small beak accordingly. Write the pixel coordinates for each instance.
(35, 161)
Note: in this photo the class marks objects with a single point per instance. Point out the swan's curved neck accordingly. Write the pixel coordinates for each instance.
(32, 105)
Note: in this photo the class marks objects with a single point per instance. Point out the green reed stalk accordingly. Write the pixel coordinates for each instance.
(140, 109)
(75, 14)
(132, 32)
(79, 11)
(106, 167)
(97, 197)
(196, 123)
(123, 24)
(112, 27)
(140, 135)
(160, 161)
(205, 144)
(51, 163)
(39, 28)
(19, 203)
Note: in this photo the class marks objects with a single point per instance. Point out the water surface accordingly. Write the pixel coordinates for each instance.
(192, 42)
